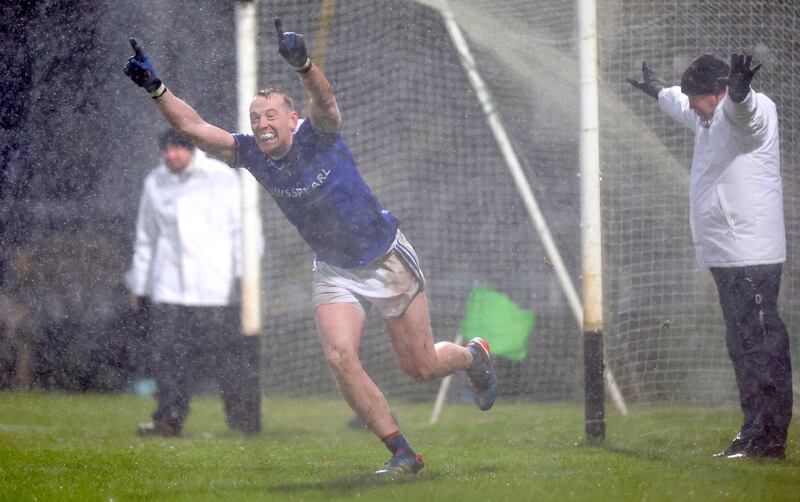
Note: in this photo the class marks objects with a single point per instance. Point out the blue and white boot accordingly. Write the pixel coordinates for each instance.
(481, 374)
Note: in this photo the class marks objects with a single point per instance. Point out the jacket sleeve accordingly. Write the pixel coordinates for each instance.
(675, 104)
(138, 277)
(750, 118)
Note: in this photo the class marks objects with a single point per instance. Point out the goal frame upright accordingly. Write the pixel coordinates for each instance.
(591, 224)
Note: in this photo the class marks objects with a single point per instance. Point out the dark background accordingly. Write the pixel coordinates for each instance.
(77, 140)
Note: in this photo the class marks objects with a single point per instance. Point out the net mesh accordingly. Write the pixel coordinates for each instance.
(422, 143)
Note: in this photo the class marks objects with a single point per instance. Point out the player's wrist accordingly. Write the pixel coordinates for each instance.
(655, 90)
(738, 92)
(158, 91)
(305, 67)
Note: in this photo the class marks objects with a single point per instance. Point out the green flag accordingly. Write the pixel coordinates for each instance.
(498, 320)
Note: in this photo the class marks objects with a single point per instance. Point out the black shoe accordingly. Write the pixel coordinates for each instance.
(759, 450)
(737, 445)
(249, 429)
(158, 429)
(742, 447)
(775, 451)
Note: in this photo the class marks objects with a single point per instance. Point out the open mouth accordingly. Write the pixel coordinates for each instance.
(266, 136)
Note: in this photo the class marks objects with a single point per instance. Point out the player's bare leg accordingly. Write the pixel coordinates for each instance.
(423, 360)
(413, 343)
(339, 326)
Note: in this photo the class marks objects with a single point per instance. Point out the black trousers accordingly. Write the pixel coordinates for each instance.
(758, 345)
(193, 343)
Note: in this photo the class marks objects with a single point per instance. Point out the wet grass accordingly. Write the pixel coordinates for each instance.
(82, 447)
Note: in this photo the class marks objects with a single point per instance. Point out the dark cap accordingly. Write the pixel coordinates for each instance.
(700, 77)
(171, 137)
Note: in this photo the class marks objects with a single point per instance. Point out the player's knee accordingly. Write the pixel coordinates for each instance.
(418, 371)
(340, 359)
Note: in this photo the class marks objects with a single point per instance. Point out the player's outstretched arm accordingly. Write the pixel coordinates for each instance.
(650, 83)
(182, 117)
(323, 110)
(739, 77)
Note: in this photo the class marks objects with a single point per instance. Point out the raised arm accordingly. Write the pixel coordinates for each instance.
(650, 83)
(739, 77)
(182, 117)
(323, 110)
(749, 116)
(671, 100)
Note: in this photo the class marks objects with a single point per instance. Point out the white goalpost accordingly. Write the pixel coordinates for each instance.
(587, 316)
(591, 229)
(246, 87)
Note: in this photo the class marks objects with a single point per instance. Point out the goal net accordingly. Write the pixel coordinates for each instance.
(423, 144)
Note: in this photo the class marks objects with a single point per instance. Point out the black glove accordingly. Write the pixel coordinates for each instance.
(650, 84)
(141, 71)
(740, 76)
(292, 47)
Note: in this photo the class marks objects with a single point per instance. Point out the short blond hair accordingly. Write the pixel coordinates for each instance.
(274, 91)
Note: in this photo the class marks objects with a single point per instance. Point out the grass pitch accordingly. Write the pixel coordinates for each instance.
(82, 447)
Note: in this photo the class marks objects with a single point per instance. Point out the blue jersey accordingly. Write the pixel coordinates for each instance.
(318, 187)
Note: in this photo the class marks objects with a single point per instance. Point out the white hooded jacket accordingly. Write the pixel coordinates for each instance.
(736, 198)
(188, 235)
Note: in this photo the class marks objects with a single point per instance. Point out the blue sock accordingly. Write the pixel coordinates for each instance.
(398, 444)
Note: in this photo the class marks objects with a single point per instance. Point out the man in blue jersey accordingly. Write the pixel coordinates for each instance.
(362, 259)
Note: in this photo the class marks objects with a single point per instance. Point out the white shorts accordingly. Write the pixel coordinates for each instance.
(389, 282)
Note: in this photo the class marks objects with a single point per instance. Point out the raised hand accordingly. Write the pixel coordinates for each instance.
(292, 46)
(650, 83)
(740, 76)
(140, 69)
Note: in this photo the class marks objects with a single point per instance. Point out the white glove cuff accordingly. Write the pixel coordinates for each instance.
(305, 68)
(159, 92)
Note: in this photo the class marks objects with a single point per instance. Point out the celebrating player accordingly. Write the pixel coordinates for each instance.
(738, 231)
(362, 259)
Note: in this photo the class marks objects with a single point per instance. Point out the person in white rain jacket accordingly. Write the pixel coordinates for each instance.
(187, 262)
(736, 211)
